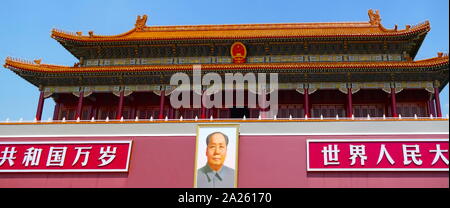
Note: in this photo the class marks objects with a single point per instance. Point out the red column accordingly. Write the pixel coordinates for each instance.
(79, 106)
(120, 107)
(56, 111)
(263, 99)
(349, 103)
(40, 106)
(433, 107)
(438, 103)
(428, 107)
(203, 115)
(306, 105)
(161, 104)
(393, 103)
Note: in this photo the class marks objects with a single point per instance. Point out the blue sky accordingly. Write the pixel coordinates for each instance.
(26, 25)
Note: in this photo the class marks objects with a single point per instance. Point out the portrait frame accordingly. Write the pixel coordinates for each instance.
(232, 131)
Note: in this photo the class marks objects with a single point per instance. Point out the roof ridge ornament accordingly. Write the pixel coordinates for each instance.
(37, 61)
(442, 54)
(140, 22)
(374, 17)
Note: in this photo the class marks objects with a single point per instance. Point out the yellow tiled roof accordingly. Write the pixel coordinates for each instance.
(141, 32)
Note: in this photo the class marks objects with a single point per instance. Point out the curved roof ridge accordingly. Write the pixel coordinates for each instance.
(293, 25)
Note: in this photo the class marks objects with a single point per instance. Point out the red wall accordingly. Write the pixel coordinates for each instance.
(264, 161)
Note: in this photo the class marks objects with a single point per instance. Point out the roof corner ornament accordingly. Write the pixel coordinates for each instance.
(91, 34)
(37, 61)
(140, 22)
(79, 33)
(374, 17)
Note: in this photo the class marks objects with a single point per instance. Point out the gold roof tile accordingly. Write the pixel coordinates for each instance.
(142, 32)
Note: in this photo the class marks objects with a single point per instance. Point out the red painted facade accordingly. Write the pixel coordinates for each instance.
(264, 161)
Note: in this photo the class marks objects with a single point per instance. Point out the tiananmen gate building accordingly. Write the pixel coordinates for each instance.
(354, 108)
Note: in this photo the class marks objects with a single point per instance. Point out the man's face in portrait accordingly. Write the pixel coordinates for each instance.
(216, 151)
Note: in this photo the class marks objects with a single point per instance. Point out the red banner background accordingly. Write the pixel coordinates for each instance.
(113, 161)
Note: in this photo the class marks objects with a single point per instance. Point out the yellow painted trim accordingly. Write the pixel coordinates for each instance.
(220, 121)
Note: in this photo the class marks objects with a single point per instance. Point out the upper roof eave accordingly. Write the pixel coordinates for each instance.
(239, 32)
(142, 32)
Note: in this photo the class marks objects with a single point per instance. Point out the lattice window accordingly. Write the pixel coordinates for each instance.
(104, 113)
(86, 112)
(190, 113)
(67, 112)
(225, 113)
(373, 110)
(294, 110)
(328, 111)
(411, 109)
(147, 113)
(254, 112)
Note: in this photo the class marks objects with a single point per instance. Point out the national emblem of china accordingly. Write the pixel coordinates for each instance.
(238, 52)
